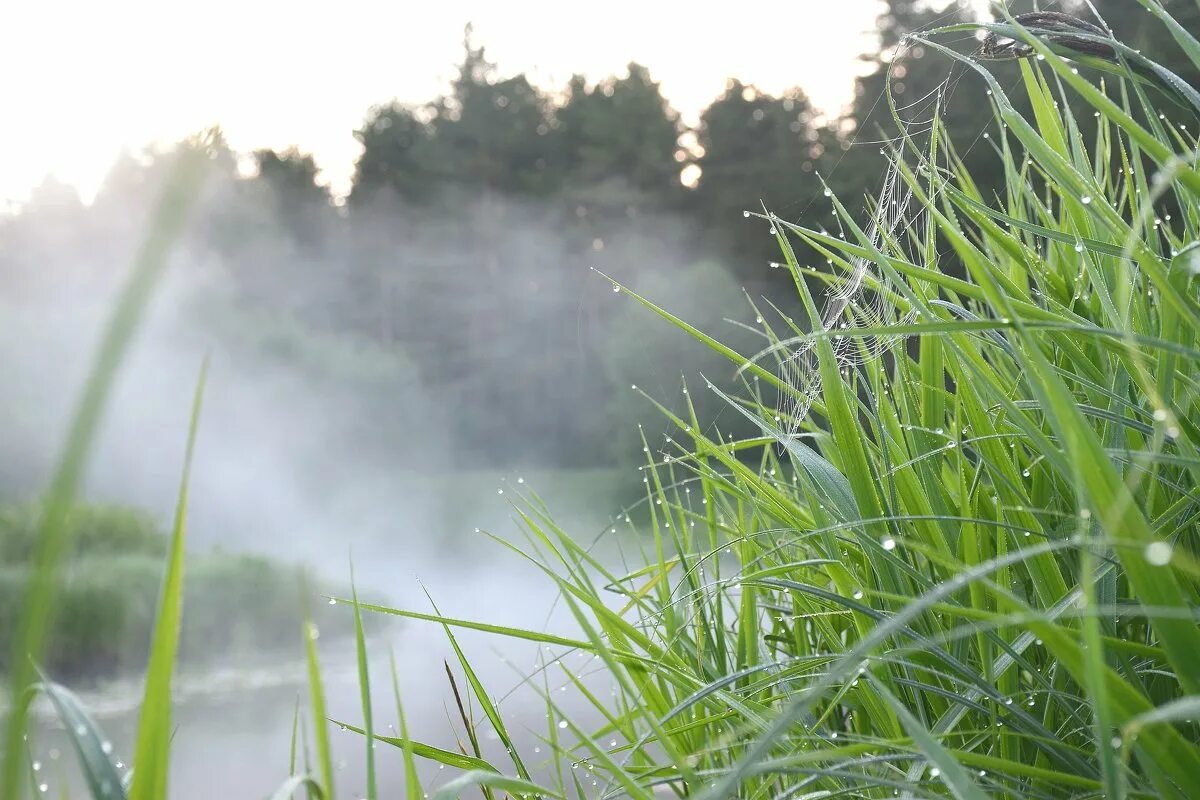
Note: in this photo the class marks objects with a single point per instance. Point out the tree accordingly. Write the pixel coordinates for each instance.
(492, 133)
(487, 133)
(621, 127)
(393, 160)
(919, 79)
(756, 149)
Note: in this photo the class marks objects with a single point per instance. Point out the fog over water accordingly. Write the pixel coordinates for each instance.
(348, 418)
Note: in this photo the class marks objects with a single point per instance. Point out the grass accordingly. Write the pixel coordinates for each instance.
(969, 569)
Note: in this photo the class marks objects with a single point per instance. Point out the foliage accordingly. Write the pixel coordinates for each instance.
(240, 607)
(621, 127)
(757, 149)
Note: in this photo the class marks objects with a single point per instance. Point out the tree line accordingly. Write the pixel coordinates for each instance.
(458, 268)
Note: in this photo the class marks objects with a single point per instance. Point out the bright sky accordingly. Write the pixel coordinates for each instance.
(82, 80)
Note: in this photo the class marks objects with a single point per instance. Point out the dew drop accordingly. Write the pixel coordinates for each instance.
(1158, 554)
(889, 544)
(562, 724)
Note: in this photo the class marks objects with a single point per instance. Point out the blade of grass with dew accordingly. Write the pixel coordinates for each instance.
(152, 747)
(412, 780)
(317, 699)
(490, 780)
(99, 772)
(294, 784)
(364, 685)
(448, 757)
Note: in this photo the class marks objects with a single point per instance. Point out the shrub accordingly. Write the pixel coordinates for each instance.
(238, 608)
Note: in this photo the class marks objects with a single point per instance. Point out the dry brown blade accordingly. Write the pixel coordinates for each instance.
(1056, 28)
(462, 713)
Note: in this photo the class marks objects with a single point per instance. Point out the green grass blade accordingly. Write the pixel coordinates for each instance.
(480, 779)
(364, 685)
(317, 699)
(99, 772)
(152, 748)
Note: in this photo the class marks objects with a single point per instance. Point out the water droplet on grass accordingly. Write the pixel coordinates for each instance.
(1158, 554)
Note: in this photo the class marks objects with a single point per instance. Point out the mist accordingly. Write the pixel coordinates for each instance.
(385, 380)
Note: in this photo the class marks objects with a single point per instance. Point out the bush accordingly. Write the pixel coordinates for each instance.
(237, 608)
(95, 530)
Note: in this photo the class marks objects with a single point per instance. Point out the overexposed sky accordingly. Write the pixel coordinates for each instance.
(83, 80)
